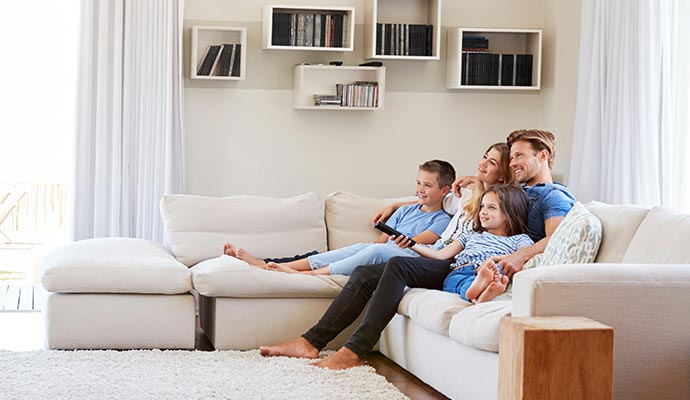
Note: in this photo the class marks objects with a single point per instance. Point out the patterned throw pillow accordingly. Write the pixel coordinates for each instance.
(575, 241)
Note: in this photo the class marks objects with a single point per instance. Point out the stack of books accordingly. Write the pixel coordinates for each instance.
(221, 60)
(359, 94)
(404, 39)
(475, 44)
(327, 100)
(486, 69)
(310, 30)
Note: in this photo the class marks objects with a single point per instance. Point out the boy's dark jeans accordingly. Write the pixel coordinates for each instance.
(385, 285)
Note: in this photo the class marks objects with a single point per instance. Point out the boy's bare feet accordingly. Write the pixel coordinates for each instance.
(341, 359)
(495, 288)
(485, 274)
(271, 266)
(243, 255)
(229, 249)
(299, 348)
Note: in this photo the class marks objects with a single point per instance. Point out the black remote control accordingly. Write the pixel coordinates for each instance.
(372, 64)
(390, 231)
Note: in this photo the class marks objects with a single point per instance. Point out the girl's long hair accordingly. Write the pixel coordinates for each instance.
(515, 205)
(472, 206)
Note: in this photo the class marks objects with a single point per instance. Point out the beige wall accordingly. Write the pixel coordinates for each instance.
(245, 138)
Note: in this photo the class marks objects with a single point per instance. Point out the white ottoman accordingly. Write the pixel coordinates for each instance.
(117, 293)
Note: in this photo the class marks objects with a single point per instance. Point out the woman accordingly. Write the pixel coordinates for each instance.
(383, 286)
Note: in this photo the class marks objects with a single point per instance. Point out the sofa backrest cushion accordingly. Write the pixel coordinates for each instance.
(196, 227)
(661, 239)
(348, 218)
(618, 224)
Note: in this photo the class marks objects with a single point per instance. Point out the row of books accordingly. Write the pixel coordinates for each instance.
(357, 94)
(477, 44)
(484, 69)
(221, 60)
(310, 30)
(404, 39)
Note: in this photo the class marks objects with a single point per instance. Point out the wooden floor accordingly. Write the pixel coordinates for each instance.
(30, 298)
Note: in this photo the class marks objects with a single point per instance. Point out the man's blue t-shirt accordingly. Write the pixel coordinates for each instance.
(547, 200)
(411, 220)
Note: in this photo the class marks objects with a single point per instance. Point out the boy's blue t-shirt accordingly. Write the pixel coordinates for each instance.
(411, 220)
(547, 200)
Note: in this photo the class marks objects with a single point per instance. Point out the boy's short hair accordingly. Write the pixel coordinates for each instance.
(444, 171)
(540, 140)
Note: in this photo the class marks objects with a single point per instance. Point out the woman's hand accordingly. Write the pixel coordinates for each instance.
(402, 241)
(462, 182)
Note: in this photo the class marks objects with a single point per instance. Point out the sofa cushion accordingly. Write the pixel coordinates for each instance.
(227, 276)
(661, 238)
(348, 218)
(619, 224)
(114, 265)
(477, 326)
(432, 309)
(576, 240)
(196, 227)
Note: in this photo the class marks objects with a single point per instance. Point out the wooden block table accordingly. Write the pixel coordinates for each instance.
(555, 358)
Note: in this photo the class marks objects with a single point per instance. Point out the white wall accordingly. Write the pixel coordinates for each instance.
(245, 138)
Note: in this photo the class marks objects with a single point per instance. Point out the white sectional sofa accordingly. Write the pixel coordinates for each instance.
(640, 285)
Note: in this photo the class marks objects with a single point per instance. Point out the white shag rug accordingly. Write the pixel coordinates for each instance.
(155, 374)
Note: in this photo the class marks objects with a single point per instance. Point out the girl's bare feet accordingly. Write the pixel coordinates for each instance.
(495, 288)
(243, 255)
(294, 348)
(485, 274)
(341, 359)
(229, 249)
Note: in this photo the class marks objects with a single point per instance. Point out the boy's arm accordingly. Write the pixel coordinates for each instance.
(513, 263)
(385, 213)
(426, 237)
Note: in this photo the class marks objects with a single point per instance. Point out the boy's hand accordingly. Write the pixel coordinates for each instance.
(383, 214)
(402, 241)
(462, 182)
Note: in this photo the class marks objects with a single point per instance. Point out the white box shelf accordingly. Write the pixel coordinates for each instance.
(501, 41)
(205, 36)
(309, 80)
(412, 12)
(268, 26)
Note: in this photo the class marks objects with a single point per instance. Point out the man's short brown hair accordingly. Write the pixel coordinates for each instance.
(540, 140)
(443, 169)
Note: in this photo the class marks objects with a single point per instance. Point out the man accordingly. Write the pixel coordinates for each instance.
(383, 285)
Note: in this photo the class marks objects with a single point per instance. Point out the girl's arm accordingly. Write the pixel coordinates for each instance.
(446, 253)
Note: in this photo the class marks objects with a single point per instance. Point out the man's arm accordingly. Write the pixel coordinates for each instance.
(513, 263)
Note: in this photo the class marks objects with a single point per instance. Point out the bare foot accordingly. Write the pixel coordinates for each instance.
(299, 348)
(495, 289)
(271, 266)
(485, 275)
(243, 255)
(341, 359)
(229, 249)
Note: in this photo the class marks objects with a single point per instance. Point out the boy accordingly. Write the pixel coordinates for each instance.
(423, 221)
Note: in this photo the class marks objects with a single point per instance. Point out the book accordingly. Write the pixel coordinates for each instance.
(225, 60)
(309, 30)
(209, 60)
(237, 62)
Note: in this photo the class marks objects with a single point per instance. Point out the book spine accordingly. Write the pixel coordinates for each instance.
(238, 60)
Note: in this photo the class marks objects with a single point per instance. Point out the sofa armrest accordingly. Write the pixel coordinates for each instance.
(646, 304)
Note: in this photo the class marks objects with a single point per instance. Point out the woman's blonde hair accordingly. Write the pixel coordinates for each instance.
(506, 173)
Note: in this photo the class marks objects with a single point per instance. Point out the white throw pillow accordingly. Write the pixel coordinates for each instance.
(661, 238)
(196, 227)
(575, 241)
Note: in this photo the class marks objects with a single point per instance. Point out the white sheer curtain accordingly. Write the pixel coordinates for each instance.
(129, 150)
(631, 136)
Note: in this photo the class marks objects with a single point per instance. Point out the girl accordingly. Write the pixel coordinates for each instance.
(499, 228)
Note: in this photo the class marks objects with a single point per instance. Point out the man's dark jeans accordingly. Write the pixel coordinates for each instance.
(385, 285)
